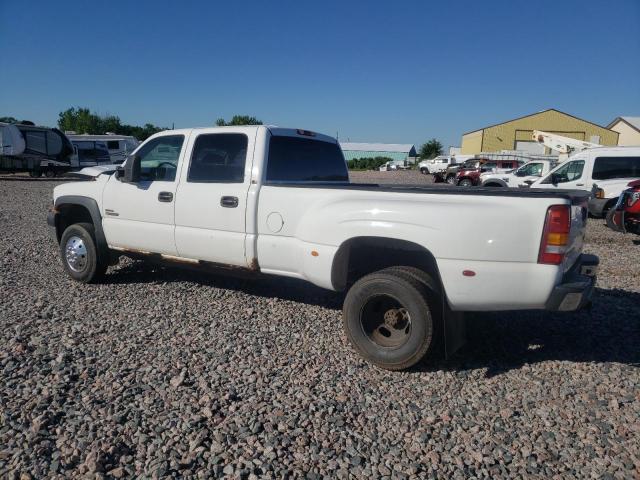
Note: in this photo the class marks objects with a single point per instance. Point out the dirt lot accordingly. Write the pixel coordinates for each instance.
(161, 372)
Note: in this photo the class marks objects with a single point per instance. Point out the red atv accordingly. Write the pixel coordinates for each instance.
(625, 217)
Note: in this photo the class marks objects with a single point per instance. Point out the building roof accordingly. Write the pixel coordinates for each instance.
(377, 147)
(533, 114)
(633, 122)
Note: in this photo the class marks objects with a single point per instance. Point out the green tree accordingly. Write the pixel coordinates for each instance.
(431, 149)
(239, 120)
(82, 120)
(8, 120)
(367, 163)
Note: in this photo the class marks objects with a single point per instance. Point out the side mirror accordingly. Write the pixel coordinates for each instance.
(555, 178)
(131, 172)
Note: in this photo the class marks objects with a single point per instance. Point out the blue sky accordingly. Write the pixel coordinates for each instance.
(399, 72)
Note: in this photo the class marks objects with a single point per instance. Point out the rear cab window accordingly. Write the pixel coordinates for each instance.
(297, 159)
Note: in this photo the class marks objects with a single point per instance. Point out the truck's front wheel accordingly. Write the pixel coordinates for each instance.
(387, 319)
(80, 255)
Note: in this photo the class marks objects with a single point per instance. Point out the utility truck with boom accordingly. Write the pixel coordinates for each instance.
(277, 201)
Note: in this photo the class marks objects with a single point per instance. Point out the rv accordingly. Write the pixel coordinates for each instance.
(119, 146)
(37, 150)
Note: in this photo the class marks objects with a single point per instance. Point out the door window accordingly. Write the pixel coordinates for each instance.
(159, 158)
(530, 169)
(218, 158)
(568, 172)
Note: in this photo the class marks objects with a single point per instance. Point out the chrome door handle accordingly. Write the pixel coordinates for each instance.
(229, 202)
(165, 197)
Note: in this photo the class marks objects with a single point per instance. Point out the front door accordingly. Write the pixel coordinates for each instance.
(568, 176)
(141, 216)
(211, 202)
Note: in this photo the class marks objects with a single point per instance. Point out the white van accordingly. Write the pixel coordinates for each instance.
(119, 146)
(603, 170)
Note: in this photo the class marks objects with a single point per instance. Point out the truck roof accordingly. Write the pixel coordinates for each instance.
(274, 130)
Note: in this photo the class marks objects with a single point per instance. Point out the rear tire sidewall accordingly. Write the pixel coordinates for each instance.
(465, 183)
(91, 271)
(411, 298)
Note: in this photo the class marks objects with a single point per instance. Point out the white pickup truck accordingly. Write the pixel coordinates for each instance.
(278, 201)
(521, 177)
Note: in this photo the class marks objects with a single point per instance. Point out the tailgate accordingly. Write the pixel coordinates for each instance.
(579, 212)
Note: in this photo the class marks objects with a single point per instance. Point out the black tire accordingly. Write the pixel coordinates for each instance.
(609, 219)
(451, 179)
(465, 182)
(424, 171)
(82, 264)
(387, 318)
(49, 173)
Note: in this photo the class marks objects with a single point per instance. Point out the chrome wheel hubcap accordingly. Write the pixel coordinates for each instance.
(75, 253)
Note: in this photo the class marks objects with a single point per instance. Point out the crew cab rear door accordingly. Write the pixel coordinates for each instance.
(211, 201)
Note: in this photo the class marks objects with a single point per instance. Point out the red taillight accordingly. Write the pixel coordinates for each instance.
(555, 236)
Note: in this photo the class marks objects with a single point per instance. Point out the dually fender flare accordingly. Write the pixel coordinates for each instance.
(92, 207)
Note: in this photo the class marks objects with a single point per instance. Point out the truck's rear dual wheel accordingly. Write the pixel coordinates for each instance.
(80, 255)
(387, 318)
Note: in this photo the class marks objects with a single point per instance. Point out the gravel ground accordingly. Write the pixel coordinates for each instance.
(161, 372)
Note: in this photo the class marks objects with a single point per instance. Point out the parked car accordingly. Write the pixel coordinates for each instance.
(449, 174)
(522, 177)
(604, 170)
(388, 167)
(470, 175)
(625, 216)
(276, 201)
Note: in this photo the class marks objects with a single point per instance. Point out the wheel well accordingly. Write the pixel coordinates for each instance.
(492, 184)
(70, 214)
(360, 256)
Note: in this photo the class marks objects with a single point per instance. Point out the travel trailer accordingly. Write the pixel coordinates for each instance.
(119, 146)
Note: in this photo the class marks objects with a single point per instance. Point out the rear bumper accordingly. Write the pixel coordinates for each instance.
(576, 289)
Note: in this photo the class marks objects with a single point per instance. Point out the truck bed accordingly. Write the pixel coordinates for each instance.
(576, 196)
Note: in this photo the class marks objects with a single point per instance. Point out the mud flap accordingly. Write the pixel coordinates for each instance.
(455, 332)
